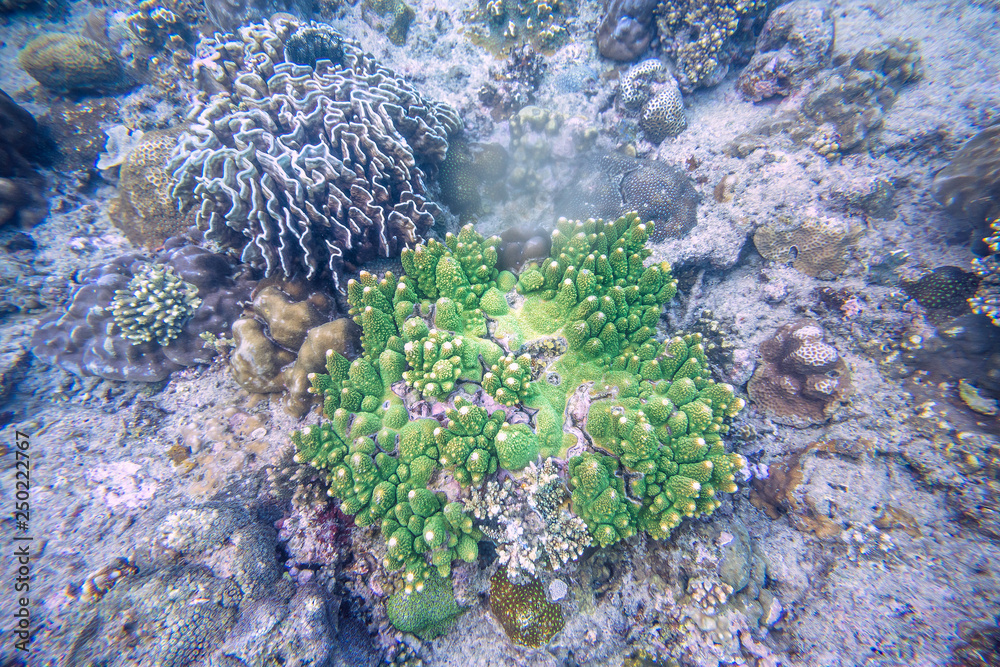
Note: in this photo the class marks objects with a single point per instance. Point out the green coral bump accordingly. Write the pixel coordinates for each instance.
(580, 326)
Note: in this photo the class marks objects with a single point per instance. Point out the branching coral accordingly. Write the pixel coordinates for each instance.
(640, 422)
(155, 305)
(699, 36)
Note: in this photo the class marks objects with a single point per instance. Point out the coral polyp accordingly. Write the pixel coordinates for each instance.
(509, 368)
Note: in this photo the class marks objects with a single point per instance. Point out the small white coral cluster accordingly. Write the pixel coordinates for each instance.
(530, 524)
(154, 306)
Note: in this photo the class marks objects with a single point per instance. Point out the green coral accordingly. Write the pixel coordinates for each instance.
(427, 613)
(579, 325)
(509, 380)
(155, 306)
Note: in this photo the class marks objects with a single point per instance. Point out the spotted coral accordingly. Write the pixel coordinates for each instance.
(523, 612)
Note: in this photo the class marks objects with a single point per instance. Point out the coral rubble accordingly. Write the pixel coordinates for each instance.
(299, 168)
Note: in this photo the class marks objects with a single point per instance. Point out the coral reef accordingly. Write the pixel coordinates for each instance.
(77, 129)
(65, 63)
(794, 44)
(844, 111)
(283, 338)
(585, 320)
(523, 612)
(818, 247)
(850, 104)
(659, 192)
(970, 184)
(87, 339)
(300, 169)
(703, 38)
(22, 148)
(626, 29)
(802, 379)
(144, 209)
(498, 25)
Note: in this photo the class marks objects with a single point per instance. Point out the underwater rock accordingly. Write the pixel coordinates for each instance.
(65, 63)
(86, 340)
(796, 41)
(305, 171)
(802, 379)
(23, 148)
(970, 184)
(626, 29)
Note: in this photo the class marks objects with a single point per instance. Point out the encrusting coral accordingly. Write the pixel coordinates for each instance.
(583, 321)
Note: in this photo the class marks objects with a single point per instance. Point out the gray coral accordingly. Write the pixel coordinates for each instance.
(300, 169)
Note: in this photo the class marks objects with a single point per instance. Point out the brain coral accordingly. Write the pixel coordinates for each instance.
(88, 339)
(584, 319)
(817, 247)
(66, 63)
(802, 379)
(300, 169)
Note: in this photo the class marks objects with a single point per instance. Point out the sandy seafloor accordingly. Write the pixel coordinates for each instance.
(102, 480)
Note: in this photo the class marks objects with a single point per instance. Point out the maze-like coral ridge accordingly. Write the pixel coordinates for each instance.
(403, 424)
(300, 168)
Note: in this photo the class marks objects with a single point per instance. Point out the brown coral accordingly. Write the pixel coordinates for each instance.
(144, 209)
(66, 63)
(802, 379)
(818, 248)
(283, 339)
